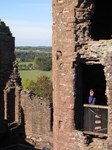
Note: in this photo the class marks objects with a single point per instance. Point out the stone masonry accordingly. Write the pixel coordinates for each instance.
(73, 45)
(37, 119)
(24, 117)
(10, 81)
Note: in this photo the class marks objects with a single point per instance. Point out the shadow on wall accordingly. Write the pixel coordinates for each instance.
(15, 138)
(6, 71)
(9, 76)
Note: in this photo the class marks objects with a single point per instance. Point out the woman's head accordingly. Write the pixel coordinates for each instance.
(91, 92)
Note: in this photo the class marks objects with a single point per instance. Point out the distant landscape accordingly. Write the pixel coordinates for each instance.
(34, 62)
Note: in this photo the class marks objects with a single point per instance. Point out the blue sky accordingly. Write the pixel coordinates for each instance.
(30, 21)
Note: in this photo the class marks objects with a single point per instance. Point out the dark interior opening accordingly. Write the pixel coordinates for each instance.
(101, 24)
(11, 106)
(88, 77)
(93, 77)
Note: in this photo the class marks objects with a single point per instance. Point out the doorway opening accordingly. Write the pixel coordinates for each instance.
(88, 77)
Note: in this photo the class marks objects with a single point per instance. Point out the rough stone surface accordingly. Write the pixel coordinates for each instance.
(37, 120)
(24, 117)
(10, 81)
(72, 45)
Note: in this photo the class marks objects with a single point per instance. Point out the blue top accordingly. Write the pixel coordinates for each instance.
(90, 100)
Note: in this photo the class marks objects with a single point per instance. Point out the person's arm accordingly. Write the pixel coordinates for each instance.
(94, 100)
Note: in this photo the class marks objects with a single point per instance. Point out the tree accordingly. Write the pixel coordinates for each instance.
(26, 83)
(43, 63)
(42, 87)
(30, 66)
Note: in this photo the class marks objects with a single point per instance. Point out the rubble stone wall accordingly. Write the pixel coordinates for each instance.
(36, 114)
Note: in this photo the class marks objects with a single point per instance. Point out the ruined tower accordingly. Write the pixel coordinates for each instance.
(82, 59)
(10, 81)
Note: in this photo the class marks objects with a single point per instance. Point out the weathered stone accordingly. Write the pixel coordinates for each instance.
(21, 110)
(10, 82)
(72, 35)
(37, 119)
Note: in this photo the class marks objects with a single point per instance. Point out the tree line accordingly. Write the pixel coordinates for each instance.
(42, 61)
(41, 48)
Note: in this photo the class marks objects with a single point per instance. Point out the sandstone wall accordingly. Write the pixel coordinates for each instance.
(71, 46)
(37, 119)
(64, 23)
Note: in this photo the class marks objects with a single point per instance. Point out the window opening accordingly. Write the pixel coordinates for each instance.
(101, 24)
(87, 77)
(94, 78)
(11, 106)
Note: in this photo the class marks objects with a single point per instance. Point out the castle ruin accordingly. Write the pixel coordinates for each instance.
(10, 82)
(82, 59)
(25, 118)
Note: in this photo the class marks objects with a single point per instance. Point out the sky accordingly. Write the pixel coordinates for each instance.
(30, 21)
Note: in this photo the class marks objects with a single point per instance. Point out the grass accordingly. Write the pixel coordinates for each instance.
(18, 59)
(34, 74)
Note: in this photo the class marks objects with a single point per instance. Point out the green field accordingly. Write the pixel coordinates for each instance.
(34, 74)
